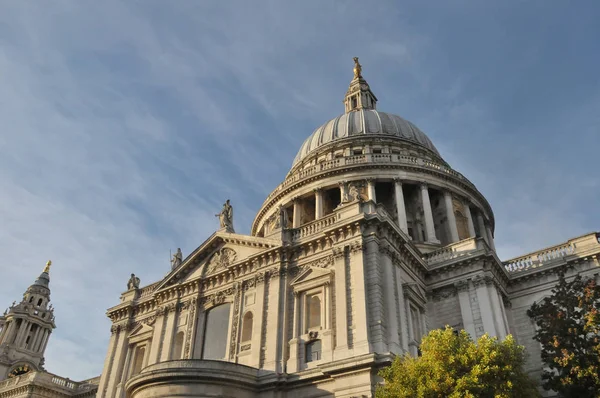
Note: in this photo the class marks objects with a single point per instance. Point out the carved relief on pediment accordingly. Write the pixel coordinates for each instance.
(223, 258)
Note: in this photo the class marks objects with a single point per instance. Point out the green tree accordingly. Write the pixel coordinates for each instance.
(568, 327)
(452, 365)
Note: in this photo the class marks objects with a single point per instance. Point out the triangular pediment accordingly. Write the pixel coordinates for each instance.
(141, 329)
(220, 251)
(311, 274)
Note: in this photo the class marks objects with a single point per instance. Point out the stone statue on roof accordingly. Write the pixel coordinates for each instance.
(226, 217)
(357, 68)
(133, 283)
(177, 259)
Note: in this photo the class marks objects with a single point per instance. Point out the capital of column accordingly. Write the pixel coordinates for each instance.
(424, 186)
(397, 180)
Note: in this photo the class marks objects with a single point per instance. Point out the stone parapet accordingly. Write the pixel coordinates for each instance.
(573, 248)
(51, 382)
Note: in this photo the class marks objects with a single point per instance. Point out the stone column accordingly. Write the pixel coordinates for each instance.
(7, 332)
(45, 341)
(481, 226)
(485, 305)
(401, 209)
(371, 189)
(341, 304)
(36, 338)
(318, 203)
(23, 330)
(450, 216)
(470, 225)
(297, 213)
(490, 235)
(429, 228)
(466, 311)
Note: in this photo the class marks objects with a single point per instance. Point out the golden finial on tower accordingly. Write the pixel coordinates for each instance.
(48, 264)
(357, 68)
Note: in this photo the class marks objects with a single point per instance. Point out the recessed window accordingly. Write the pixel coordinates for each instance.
(215, 334)
(313, 351)
(139, 360)
(377, 151)
(31, 299)
(313, 320)
(40, 301)
(247, 324)
(357, 151)
(178, 347)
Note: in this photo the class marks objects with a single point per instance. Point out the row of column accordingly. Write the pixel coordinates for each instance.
(430, 235)
(38, 342)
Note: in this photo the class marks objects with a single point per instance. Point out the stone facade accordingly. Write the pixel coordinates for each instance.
(371, 241)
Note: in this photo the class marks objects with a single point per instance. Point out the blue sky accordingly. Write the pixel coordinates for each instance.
(125, 125)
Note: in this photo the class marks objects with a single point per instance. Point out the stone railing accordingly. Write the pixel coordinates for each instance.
(48, 380)
(147, 290)
(314, 227)
(383, 158)
(573, 247)
(455, 250)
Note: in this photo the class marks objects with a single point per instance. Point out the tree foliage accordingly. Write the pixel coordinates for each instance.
(568, 326)
(452, 365)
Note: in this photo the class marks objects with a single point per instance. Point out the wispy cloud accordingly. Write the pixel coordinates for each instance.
(126, 125)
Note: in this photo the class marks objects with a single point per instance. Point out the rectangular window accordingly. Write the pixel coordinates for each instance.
(313, 351)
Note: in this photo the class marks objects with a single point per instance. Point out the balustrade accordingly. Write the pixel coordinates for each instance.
(573, 247)
(313, 227)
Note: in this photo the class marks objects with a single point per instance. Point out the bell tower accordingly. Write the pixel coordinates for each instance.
(25, 329)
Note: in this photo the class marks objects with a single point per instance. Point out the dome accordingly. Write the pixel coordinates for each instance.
(363, 122)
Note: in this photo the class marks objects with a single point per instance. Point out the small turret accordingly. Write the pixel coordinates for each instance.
(359, 94)
(25, 329)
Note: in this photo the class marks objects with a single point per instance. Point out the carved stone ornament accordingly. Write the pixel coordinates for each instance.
(312, 335)
(462, 286)
(221, 259)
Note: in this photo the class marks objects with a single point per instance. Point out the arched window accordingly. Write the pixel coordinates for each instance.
(31, 299)
(247, 324)
(139, 360)
(313, 351)
(178, 346)
(216, 332)
(314, 312)
(40, 301)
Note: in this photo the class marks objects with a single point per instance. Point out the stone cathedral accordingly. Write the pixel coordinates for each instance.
(371, 240)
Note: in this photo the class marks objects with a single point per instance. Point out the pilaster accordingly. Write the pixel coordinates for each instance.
(466, 311)
(340, 257)
(391, 305)
(485, 305)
